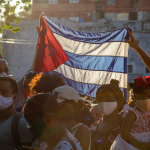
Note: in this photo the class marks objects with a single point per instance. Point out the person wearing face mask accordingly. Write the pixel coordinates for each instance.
(23, 92)
(4, 70)
(42, 113)
(8, 122)
(110, 102)
(135, 132)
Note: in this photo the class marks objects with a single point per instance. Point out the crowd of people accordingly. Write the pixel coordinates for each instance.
(40, 112)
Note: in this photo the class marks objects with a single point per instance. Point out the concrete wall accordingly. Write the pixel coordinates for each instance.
(20, 54)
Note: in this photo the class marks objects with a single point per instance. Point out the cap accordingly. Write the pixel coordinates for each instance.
(66, 93)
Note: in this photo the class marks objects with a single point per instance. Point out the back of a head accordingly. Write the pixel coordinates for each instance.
(46, 83)
(39, 104)
(114, 87)
(13, 83)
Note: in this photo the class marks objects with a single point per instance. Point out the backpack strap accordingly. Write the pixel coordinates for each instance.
(71, 142)
(14, 128)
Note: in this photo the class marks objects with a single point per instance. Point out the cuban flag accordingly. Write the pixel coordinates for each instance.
(84, 60)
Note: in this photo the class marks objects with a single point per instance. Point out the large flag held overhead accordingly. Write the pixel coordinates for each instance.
(84, 60)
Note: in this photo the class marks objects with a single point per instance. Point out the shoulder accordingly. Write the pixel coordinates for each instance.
(66, 144)
(130, 118)
(83, 128)
(22, 122)
(25, 134)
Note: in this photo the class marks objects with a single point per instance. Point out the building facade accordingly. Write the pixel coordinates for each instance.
(75, 10)
(92, 10)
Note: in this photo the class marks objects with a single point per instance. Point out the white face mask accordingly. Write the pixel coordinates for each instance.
(5, 102)
(3, 74)
(106, 108)
(143, 105)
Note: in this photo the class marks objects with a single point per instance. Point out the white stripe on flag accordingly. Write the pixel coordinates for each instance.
(81, 48)
(91, 77)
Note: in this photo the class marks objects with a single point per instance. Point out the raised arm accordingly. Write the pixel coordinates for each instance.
(143, 55)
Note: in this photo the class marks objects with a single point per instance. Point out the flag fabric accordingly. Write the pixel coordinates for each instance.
(84, 60)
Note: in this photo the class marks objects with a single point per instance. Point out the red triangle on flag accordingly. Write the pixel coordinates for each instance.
(50, 54)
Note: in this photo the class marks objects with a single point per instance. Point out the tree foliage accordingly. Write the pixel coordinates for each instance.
(9, 14)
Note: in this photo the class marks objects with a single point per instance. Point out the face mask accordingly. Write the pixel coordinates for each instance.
(5, 102)
(3, 74)
(42, 132)
(143, 105)
(106, 108)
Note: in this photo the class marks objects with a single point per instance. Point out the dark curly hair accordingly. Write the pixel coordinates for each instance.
(114, 87)
(44, 83)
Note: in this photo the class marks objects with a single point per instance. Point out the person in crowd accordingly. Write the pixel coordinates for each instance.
(143, 55)
(13, 126)
(24, 90)
(96, 113)
(72, 106)
(135, 133)
(45, 83)
(42, 113)
(4, 70)
(110, 102)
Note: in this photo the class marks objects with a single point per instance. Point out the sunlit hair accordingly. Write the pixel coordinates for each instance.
(34, 82)
(46, 83)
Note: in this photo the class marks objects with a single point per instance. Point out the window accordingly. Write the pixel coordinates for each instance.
(130, 69)
(53, 1)
(74, 19)
(74, 1)
(146, 25)
(146, 70)
(110, 2)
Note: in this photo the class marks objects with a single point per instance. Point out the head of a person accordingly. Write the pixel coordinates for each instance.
(44, 83)
(96, 113)
(110, 98)
(72, 105)
(27, 79)
(8, 92)
(41, 112)
(141, 93)
(4, 69)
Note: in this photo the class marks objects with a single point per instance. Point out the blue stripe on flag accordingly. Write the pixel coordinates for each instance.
(93, 38)
(83, 88)
(97, 63)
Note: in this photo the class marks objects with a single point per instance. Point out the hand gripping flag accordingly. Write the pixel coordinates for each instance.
(84, 60)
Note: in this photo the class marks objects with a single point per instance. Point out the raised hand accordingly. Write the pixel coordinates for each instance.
(132, 41)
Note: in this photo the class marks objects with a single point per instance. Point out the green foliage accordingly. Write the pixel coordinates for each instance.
(9, 14)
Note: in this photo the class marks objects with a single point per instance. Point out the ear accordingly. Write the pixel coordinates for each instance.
(47, 118)
(15, 96)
